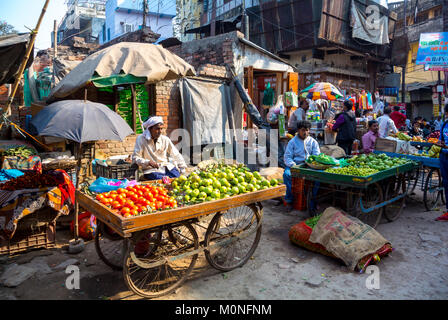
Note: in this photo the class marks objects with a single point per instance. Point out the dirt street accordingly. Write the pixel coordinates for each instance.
(278, 270)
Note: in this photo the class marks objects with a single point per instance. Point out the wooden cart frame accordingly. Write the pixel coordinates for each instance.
(366, 198)
(158, 251)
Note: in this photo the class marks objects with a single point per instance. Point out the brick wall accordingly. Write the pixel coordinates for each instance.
(115, 148)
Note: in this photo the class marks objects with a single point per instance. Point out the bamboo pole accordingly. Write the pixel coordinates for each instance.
(25, 59)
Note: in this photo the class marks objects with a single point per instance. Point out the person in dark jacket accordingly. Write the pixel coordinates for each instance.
(345, 125)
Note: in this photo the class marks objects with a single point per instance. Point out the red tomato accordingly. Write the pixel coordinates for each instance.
(127, 215)
(116, 205)
(139, 193)
(134, 212)
(140, 208)
(134, 197)
(129, 203)
(99, 197)
(122, 191)
(125, 210)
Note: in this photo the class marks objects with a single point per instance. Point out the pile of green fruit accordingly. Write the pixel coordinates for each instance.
(378, 162)
(218, 182)
(365, 165)
(353, 171)
(23, 152)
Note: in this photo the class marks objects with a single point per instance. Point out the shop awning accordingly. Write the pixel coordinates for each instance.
(123, 63)
(12, 51)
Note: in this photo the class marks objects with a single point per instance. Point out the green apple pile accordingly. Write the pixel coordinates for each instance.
(366, 165)
(218, 182)
(378, 162)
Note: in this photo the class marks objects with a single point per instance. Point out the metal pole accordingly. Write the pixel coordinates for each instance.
(403, 72)
(144, 13)
(245, 21)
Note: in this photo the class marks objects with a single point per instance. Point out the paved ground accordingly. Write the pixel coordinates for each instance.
(278, 269)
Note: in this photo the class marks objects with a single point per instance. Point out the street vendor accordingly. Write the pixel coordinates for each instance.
(443, 158)
(386, 124)
(345, 126)
(369, 139)
(152, 151)
(416, 130)
(298, 150)
(298, 115)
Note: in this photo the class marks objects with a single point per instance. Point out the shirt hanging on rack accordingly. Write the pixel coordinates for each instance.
(268, 95)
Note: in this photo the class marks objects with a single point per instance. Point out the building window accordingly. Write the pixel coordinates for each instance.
(128, 28)
(108, 34)
(104, 32)
(437, 13)
(422, 17)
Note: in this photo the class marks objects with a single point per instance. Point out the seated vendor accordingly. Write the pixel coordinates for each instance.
(369, 139)
(298, 150)
(152, 150)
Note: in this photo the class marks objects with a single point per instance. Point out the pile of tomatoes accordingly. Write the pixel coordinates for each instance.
(137, 200)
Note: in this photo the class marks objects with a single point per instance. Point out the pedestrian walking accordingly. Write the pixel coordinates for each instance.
(345, 126)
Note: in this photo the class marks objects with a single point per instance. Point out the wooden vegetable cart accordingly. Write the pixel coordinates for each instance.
(363, 197)
(427, 177)
(158, 251)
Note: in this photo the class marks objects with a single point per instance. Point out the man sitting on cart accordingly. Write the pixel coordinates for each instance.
(298, 150)
(152, 151)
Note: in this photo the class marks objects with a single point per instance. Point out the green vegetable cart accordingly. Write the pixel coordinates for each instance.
(363, 197)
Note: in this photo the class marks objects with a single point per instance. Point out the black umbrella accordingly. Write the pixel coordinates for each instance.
(80, 121)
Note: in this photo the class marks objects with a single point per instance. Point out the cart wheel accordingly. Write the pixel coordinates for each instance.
(232, 237)
(395, 187)
(109, 246)
(434, 194)
(371, 197)
(413, 177)
(163, 271)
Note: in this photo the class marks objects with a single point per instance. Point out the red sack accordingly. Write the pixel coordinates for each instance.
(86, 225)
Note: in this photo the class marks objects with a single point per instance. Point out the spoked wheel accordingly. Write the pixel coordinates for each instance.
(109, 246)
(370, 197)
(232, 237)
(154, 273)
(413, 178)
(434, 194)
(395, 187)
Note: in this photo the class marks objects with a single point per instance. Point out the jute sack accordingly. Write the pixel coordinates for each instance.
(346, 237)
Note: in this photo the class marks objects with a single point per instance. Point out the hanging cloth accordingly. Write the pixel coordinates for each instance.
(268, 95)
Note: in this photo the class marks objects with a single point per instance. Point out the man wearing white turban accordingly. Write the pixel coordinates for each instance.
(152, 152)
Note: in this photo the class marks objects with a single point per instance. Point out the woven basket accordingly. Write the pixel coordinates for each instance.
(319, 166)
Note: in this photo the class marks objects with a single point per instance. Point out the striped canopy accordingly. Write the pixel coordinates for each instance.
(321, 90)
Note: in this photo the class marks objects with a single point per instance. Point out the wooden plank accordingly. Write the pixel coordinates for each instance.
(126, 226)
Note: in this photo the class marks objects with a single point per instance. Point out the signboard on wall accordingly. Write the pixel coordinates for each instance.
(433, 49)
